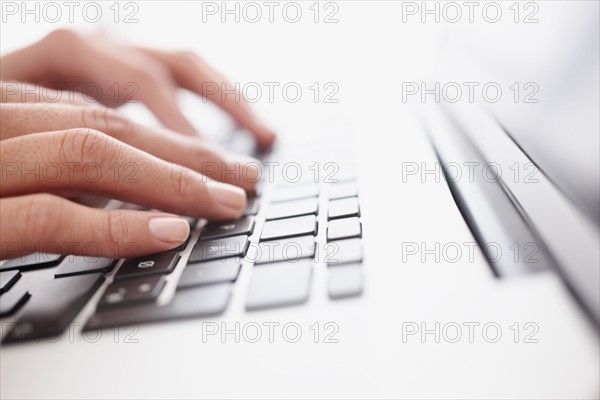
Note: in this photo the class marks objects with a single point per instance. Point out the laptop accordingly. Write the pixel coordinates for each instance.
(409, 246)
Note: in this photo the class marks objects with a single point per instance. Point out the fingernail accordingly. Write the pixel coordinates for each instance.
(230, 196)
(168, 229)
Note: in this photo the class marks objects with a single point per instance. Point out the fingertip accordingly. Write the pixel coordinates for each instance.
(230, 199)
(169, 230)
(266, 138)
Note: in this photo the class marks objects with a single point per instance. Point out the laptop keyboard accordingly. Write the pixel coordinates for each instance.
(282, 233)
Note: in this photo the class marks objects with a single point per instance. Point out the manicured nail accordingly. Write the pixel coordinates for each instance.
(169, 230)
(229, 196)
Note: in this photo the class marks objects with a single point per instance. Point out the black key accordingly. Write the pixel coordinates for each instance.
(279, 284)
(220, 248)
(12, 301)
(32, 261)
(132, 291)
(344, 252)
(7, 279)
(342, 190)
(345, 281)
(285, 249)
(295, 192)
(252, 206)
(293, 208)
(216, 271)
(188, 303)
(344, 208)
(344, 228)
(154, 264)
(290, 227)
(77, 265)
(217, 230)
(52, 306)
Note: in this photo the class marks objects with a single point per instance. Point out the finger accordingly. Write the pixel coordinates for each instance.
(193, 73)
(192, 152)
(105, 63)
(80, 161)
(158, 92)
(51, 222)
(21, 92)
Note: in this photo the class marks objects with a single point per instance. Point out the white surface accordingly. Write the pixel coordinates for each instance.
(368, 54)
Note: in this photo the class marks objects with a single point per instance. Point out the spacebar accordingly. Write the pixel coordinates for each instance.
(53, 306)
(187, 303)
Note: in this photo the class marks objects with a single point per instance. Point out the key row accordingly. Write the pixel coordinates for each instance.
(296, 191)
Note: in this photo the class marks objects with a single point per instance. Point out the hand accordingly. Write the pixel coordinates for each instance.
(64, 57)
(52, 151)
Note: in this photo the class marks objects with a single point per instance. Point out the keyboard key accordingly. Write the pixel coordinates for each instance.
(344, 252)
(154, 264)
(221, 248)
(293, 208)
(345, 281)
(344, 208)
(217, 271)
(342, 190)
(76, 265)
(295, 192)
(252, 206)
(188, 303)
(7, 279)
(11, 302)
(282, 181)
(344, 229)
(52, 306)
(285, 249)
(131, 291)
(279, 284)
(32, 261)
(282, 228)
(217, 230)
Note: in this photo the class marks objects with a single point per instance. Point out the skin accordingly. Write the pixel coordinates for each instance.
(76, 147)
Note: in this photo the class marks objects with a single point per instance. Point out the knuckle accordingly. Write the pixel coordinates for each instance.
(38, 215)
(117, 228)
(106, 120)
(85, 146)
(180, 180)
